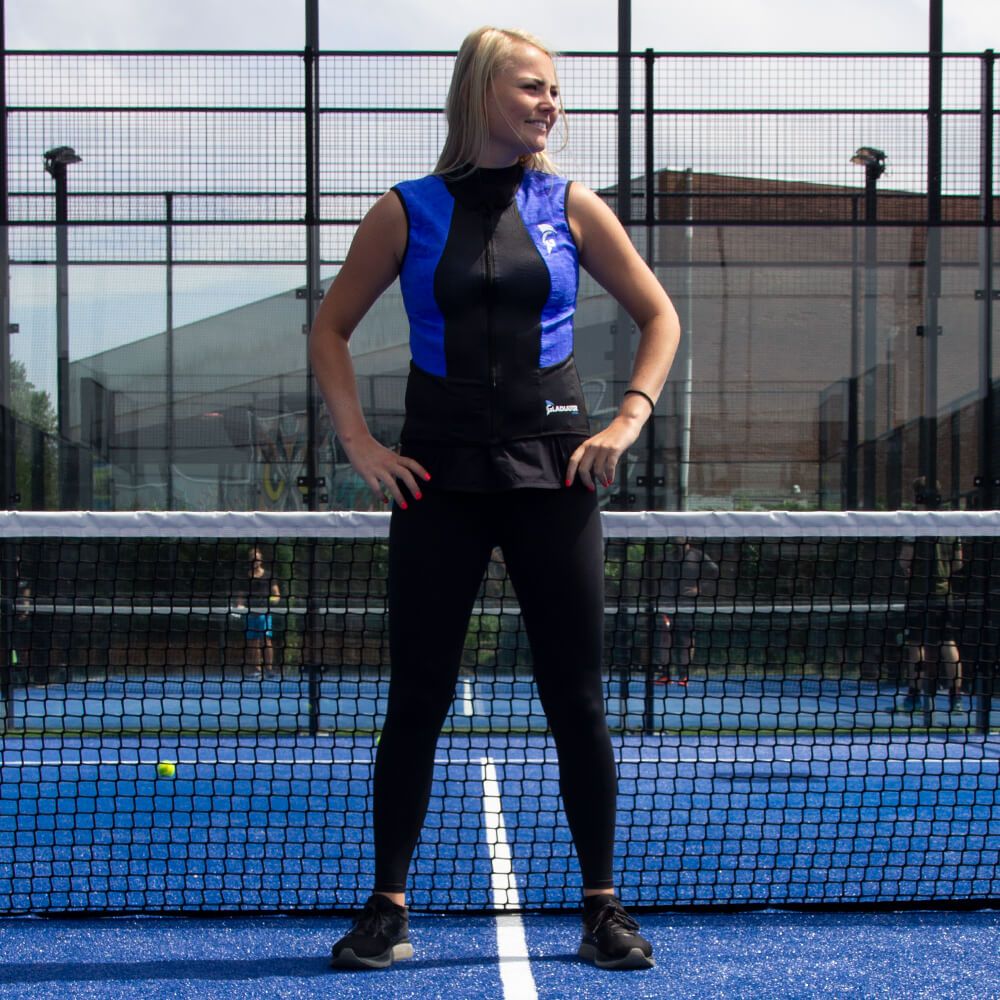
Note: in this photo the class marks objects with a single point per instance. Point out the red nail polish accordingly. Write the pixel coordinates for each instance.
(418, 496)
(427, 476)
(569, 482)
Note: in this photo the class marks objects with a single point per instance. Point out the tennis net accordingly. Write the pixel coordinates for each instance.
(804, 707)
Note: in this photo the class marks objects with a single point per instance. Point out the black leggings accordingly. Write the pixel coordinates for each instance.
(438, 552)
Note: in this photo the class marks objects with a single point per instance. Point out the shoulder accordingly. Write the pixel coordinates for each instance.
(415, 183)
(384, 226)
(541, 180)
(430, 185)
(387, 210)
(582, 202)
(593, 222)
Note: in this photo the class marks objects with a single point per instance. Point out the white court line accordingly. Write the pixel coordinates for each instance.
(512, 948)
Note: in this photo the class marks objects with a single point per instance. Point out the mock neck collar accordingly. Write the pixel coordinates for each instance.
(485, 187)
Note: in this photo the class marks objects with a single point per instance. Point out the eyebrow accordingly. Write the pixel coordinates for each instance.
(539, 80)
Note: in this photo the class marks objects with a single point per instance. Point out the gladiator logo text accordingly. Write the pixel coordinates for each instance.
(548, 234)
(551, 408)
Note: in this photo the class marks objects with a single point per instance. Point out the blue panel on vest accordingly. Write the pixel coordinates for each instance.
(541, 201)
(429, 208)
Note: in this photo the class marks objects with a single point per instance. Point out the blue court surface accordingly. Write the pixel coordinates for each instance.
(489, 703)
(279, 823)
(761, 955)
(828, 795)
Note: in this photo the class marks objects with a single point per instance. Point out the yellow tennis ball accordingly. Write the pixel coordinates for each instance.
(166, 769)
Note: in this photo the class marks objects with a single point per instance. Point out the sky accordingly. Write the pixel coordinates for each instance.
(569, 25)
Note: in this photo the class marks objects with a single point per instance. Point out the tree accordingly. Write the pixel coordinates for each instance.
(35, 425)
(30, 404)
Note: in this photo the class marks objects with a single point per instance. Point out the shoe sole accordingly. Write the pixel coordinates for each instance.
(347, 959)
(635, 959)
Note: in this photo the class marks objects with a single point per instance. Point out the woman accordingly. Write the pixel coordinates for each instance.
(495, 451)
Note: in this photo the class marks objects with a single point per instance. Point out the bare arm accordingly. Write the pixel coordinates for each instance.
(372, 265)
(608, 254)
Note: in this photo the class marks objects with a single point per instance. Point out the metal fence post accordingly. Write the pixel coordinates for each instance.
(313, 639)
(621, 348)
(928, 419)
(988, 466)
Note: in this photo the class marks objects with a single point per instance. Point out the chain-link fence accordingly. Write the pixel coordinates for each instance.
(172, 218)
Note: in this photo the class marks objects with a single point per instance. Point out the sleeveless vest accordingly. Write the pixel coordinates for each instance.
(489, 282)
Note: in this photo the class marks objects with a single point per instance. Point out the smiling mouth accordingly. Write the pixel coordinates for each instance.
(541, 126)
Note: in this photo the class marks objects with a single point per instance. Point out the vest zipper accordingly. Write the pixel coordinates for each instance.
(490, 343)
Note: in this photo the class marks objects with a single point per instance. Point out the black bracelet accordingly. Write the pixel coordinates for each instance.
(645, 396)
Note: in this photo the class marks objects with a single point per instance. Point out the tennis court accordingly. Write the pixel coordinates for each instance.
(781, 771)
(748, 821)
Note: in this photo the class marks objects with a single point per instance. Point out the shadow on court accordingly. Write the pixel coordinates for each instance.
(766, 954)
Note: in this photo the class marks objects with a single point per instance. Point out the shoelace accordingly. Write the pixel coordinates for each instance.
(614, 915)
(373, 920)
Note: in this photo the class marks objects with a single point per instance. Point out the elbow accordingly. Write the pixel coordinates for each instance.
(322, 339)
(317, 334)
(672, 320)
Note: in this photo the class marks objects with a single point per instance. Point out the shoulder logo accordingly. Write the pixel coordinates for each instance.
(551, 408)
(548, 234)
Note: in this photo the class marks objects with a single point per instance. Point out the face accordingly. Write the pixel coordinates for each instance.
(521, 108)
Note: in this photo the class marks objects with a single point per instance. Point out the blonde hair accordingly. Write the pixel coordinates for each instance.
(484, 53)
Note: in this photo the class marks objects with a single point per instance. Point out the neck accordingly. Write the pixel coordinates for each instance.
(496, 156)
(491, 160)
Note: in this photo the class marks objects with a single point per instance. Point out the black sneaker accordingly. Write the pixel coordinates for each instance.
(610, 936)
(380, 936)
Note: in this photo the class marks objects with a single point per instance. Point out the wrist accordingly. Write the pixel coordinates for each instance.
(636, 415)
(637, 405)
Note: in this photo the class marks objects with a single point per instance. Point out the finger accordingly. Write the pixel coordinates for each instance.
(585, 474)
(592, 469)
(382, 482)
(391, 487)
(374, 484)
(579, 468)
(608, 465)
(409, 482)
(414, 466)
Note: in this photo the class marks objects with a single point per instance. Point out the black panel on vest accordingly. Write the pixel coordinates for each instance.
(490, 283)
